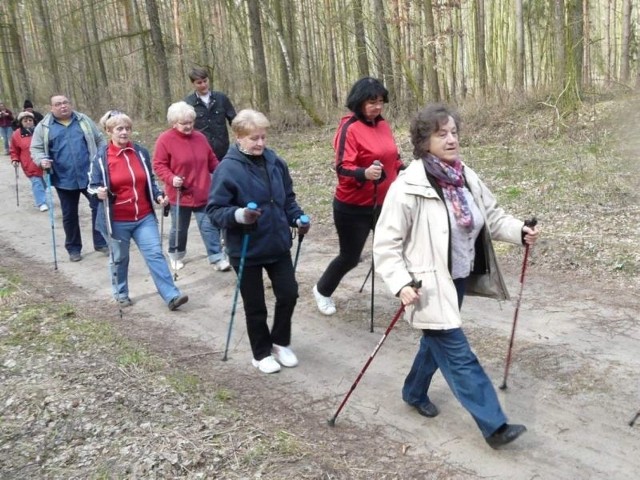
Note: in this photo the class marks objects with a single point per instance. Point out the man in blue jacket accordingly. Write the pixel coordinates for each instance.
(64, 143)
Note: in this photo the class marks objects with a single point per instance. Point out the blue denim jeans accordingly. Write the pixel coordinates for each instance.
(210, 235)
(6, 133)
(38, 188)
(69, 200)
(145, 233)
(449, 351)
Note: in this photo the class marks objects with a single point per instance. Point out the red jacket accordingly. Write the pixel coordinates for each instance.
(19, 151)
(357, 144)
(128, 182)
(189, 157)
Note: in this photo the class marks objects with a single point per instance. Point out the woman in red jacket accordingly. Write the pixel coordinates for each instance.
(184, 161)
(367, 162)
(19, 152)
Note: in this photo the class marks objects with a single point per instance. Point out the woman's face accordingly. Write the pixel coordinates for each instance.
(444, 142)
(253, 142)
(27, 122)
(120, 134)
(373, 108)
(184, 126)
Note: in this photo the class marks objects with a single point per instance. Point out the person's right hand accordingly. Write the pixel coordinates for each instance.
(374, 172)
(102, 193)
(46, 163)
(15, 163)
(178, 182)
(250, 215)
(409, 295)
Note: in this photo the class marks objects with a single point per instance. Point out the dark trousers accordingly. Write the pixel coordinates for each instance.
(69, 202)
(353, 230)
(449, 351)
(285, 289)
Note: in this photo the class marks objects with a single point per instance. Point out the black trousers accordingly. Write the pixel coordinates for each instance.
(353, 230)
(285, 289)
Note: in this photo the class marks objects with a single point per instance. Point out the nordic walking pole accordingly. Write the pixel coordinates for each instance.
(47, 174)
(373, 229)
(332, 420)
(112, 255)
(365, 279)
(304, 220)
(165, 213)
(633, 420)
(243, 254)
(529, 223)
(174, 263)
(15, 166)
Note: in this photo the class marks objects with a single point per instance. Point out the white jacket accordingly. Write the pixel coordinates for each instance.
(411, 243)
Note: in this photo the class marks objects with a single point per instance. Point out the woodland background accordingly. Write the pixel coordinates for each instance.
(296, 59)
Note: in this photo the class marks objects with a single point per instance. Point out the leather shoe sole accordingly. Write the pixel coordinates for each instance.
(505, 434)
(178, 301)
(427, 410)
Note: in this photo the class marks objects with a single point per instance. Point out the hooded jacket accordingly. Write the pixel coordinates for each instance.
(239, 180)
(99, 177)
(411, 243)
(19, 151)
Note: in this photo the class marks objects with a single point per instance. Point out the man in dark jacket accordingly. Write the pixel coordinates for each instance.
(213, 111)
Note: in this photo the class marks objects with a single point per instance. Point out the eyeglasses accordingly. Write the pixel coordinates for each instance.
(64, 102)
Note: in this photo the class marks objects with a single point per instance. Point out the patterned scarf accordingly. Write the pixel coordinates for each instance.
(451, 179)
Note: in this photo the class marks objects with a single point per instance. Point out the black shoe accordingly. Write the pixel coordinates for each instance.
(75, 257)
(505, 434)
(177, 301)
(427, 410)
(104, 249)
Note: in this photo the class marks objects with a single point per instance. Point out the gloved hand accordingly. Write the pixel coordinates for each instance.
(303, 228)
(247, 216)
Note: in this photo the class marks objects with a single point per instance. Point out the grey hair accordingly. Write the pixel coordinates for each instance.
(248, 120)
(180, 111)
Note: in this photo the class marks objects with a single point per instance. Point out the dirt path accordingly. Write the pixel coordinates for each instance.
(574, 382)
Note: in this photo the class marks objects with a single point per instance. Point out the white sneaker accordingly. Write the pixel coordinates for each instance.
(284, 356)
(43, 207)
(266, 365)
(222, 265)
(177, 264)
(325, 304)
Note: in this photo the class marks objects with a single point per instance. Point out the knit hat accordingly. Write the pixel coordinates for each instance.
(21, 115)
(27, 104)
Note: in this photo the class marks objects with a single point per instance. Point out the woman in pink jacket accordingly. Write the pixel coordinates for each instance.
(184, 161)
(19, 152)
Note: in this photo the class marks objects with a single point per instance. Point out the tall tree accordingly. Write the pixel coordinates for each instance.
(361, 39)
(432, 58)
(519, 73)
(259, 63)
(481, 59)
(626, 40)
(49, 45)
(159, 52)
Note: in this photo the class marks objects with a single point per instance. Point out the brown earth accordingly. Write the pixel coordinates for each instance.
(574, 381)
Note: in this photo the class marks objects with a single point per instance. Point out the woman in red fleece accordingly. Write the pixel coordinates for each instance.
(184, 161)
(367, 162)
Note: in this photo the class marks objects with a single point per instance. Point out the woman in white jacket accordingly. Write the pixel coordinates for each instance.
(437, 226)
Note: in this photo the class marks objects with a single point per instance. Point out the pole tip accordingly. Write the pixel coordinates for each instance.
(503, 386)
(332, 422)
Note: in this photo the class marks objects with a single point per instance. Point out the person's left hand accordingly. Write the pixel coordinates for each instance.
(102, 193)
(163, 200)
(15, 163)
(303, 228)
(531, 234)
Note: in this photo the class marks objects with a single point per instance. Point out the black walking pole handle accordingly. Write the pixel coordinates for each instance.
(166, 209)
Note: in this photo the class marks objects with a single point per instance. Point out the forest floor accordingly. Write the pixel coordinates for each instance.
(88, 394)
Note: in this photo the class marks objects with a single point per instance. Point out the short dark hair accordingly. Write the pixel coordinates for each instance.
(427, 122)
(367, 88)
(198, 72)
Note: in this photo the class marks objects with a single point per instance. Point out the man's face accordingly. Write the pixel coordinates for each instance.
(201, 85)
(61, 107)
